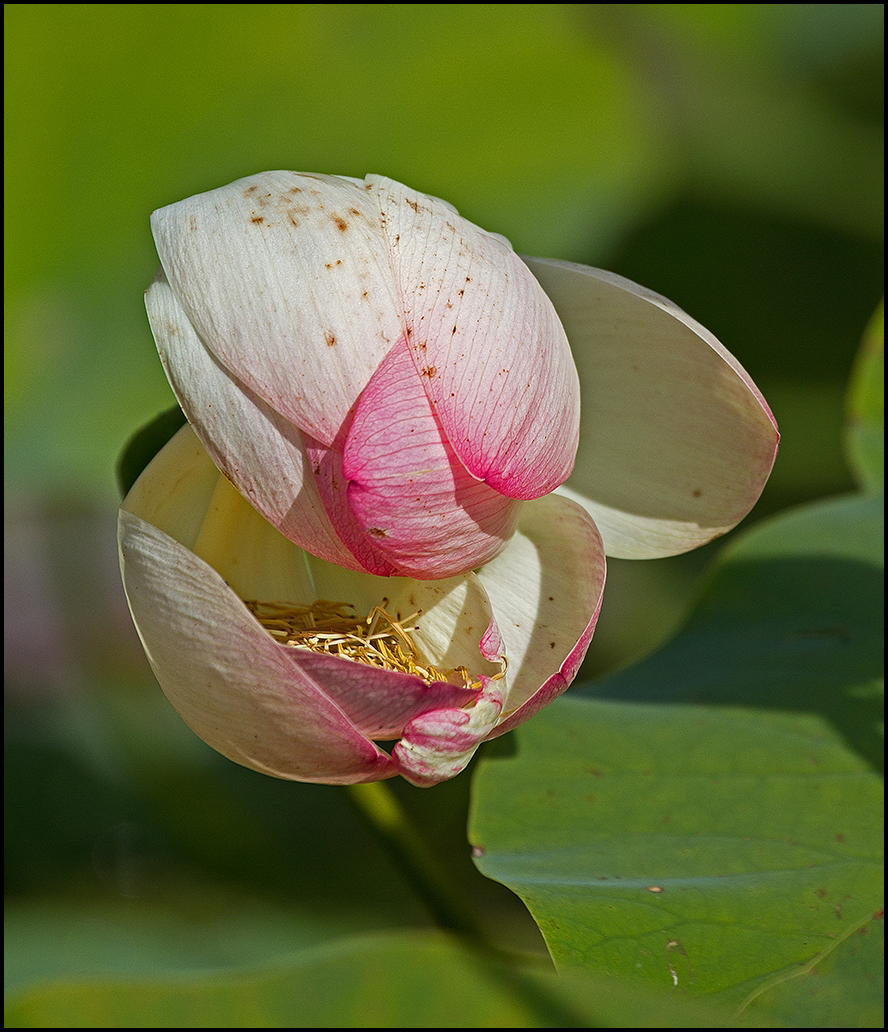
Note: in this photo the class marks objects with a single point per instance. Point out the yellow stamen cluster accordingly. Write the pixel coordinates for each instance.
(379, 639)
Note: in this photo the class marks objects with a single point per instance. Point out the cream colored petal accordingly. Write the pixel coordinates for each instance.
(286, 279)
(546, 591)
(236, 688)
(255, 446)
(676, 441)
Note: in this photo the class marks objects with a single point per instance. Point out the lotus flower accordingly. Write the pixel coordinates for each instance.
(355, 540)
(305, 691)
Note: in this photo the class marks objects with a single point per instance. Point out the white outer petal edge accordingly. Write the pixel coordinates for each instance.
(676, 441)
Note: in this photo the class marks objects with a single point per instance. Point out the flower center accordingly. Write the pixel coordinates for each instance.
(379, 639)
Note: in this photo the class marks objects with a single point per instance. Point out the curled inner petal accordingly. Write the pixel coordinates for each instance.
(421, 509)
(437, 745)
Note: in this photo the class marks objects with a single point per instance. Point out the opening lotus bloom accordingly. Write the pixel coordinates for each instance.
(296, 667)
(356, 540)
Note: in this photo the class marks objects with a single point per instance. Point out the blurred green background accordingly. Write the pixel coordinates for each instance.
(726, 155)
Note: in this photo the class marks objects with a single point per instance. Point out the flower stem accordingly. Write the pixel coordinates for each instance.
(414, 859)
(509, 972)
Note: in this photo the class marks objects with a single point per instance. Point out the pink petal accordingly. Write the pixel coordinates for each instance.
(379, 703)
(486, 342)
(408, 489)
(546, 590)
(437, 746)
(240, 691)
(676, 441)
(286, 279)
(332, 486)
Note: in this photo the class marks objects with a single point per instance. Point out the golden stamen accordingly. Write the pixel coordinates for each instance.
(379, 639)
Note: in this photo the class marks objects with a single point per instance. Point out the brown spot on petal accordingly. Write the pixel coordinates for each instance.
(341, 224)
(376, 532)
(696, 493)
(256, 219)
(428, 371)
(330, 339)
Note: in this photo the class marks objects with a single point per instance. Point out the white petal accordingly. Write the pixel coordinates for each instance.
(286, 279)
(546, 590)
(230, 682)
(245, 437)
